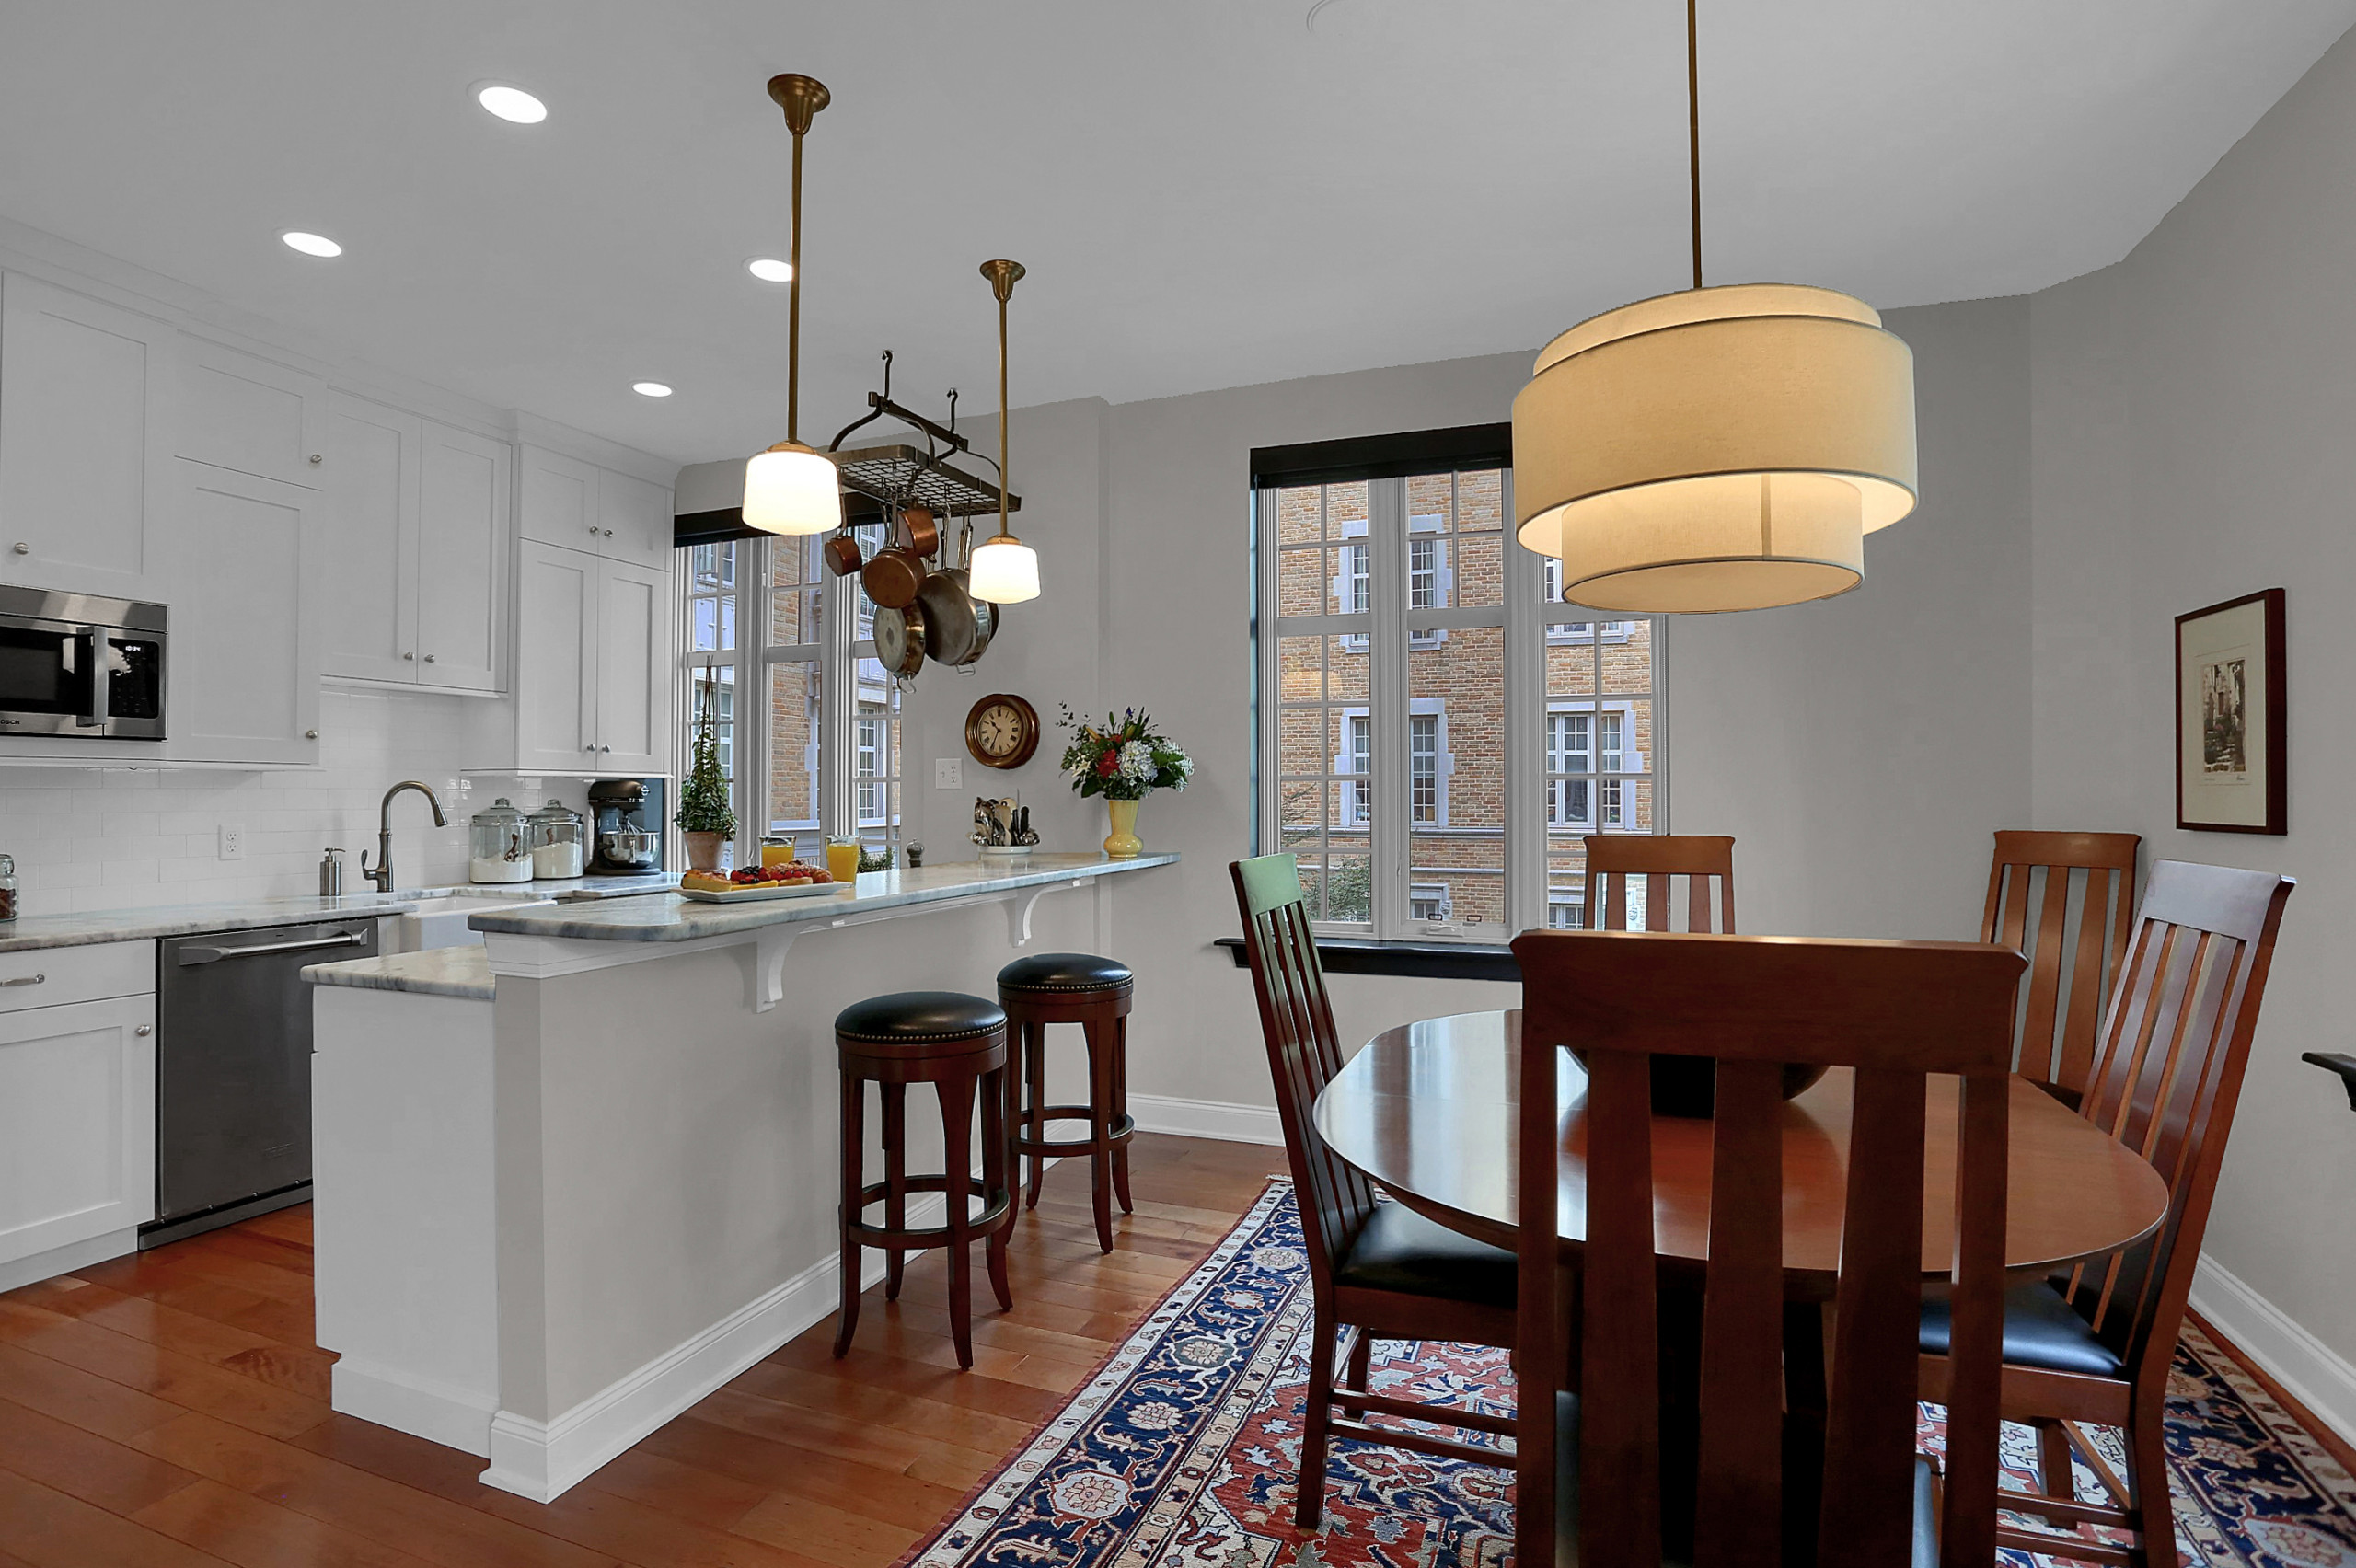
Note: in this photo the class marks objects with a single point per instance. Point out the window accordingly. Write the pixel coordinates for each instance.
(1565, 913)
(1436, 735)
(868, 768)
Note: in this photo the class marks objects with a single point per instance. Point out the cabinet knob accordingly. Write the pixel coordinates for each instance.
(315, 459)
(592, 530)
(143, 1031)
(604, 748)
(409, 655)
(428, 658)
(310, 735)
(23, 548)
(608, 532)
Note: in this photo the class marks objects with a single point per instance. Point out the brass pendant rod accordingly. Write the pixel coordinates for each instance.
(793, 307)
(1002, 479)
(1694, 129)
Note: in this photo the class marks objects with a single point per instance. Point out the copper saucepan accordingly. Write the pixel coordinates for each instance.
(919, 530)
(892, 577)
(842, 555)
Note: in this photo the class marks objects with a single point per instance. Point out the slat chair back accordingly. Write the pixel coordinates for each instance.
(1615, 862)
(1894, 1012)
(2175, 1044)
(2066, 900)
(1296, 1021)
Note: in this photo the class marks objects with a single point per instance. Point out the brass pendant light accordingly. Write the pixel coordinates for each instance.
(792, 488)
(1715, 449)
(1005, 571)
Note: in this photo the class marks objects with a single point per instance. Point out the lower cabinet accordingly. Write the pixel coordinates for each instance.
(593, 640)
(78, 1131)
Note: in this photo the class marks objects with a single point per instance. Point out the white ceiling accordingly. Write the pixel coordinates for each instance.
(1208, 193)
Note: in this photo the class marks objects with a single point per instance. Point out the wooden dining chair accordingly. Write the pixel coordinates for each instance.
(1893, 1012)
(2096, 1346)
(1614, 862)
(1377, 1269)
(2048, 892)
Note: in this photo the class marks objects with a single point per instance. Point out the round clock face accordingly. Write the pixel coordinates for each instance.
(1003, 732)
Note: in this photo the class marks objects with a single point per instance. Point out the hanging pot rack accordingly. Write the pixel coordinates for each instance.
(889, 478)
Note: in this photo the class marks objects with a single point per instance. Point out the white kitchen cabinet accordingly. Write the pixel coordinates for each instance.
(556, 501)
(86, 393)
(415, 547)
(77, 1113)
(244, 558)
(592, 664)
(252, 415)
(635, 520)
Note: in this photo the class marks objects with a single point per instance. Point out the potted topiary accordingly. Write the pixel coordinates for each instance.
(705, 814)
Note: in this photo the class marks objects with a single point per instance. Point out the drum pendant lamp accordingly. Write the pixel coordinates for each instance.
(1005, 571)
(792, 489)
(1715, 449)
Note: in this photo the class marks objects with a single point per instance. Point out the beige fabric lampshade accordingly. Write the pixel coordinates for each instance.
(1715, 449)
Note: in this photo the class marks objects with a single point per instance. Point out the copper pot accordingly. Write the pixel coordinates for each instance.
(892, 578)
(842, 555)
(919, 532)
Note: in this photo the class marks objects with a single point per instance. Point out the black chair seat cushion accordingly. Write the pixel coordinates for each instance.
(2040, 1330)
(1065, 971)
(1400, 1249)
(915, 1018)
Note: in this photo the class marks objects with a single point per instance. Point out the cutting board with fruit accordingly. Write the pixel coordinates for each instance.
(754, 884)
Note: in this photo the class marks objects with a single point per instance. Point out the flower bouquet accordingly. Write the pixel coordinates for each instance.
(1123, 761)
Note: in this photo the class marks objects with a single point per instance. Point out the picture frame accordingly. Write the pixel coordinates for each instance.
(2231, 717)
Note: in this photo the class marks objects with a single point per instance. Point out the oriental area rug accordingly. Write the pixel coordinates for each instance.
(1181, 1452)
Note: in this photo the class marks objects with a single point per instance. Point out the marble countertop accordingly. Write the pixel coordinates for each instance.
(462, 972)
(676, 919)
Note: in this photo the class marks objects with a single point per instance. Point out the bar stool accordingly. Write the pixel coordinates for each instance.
(1094, 992)
(957, 1044)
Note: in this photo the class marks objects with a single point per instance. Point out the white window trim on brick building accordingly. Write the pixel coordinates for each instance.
(1387, 632)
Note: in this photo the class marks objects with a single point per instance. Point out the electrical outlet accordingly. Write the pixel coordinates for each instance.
(233, 841)
(949, 773)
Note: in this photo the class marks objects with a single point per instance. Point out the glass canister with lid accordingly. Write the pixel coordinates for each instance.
(560, 842)
(498, 844)
(8, 887)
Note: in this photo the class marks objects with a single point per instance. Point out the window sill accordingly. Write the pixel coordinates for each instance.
(1429, 960)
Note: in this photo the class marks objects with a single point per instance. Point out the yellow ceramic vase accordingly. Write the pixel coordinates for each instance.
(1124, 844)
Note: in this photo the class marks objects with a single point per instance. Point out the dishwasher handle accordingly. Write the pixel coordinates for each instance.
(191, 956)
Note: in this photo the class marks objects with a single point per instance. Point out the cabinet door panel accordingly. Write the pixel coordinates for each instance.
(633, 672)
(557, 502)
(462, 561)
(85, 390)
(78, 1123)
(368, 541)
(243, 684)
(556, 659)
(636, 523)
(250, 415)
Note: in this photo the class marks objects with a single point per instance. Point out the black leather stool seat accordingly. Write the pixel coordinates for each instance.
(1065, 971)
(1400, 1249)
(2040, 1330)
(919, 1017)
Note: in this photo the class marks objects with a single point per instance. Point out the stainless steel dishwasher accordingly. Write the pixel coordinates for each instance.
(233, 1072)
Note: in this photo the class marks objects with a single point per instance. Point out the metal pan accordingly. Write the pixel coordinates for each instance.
(919, 530)
(842, 555)
(986, 615)
(893, 578)
(951, 626)
(900, 640)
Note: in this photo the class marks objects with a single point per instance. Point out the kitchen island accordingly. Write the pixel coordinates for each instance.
(572, 1181)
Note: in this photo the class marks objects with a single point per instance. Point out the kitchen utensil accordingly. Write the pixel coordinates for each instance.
(901, 638)
(560, 842)
(918, 531)
(498, 849)
(893, 578)
(841, 554)
(949, 618)
(631, 846)
(986, 616)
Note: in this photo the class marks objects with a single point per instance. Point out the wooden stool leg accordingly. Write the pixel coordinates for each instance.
(1034, 1074)
(896, 1176)
(1100, 1126)
(996, 1176)
(957, 1165)
(1121, 1109)
(854, 1136)
(2148, 1467)
(1310, 1495)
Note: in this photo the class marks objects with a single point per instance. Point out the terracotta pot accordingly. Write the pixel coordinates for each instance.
(703, 850)
(1124, 844)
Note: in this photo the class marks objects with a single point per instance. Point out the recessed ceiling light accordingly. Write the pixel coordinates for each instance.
(769, 271)
(650, 389)
(512, 104)
(311, 244)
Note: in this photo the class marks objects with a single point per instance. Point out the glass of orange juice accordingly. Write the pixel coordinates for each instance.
(842, 858)
(777, 851)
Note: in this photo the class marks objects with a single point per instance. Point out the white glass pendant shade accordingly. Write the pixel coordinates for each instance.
(791, 488)
(1715, 449)
(1005, 570)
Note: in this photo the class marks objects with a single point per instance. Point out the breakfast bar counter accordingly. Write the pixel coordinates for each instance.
(570, 1181)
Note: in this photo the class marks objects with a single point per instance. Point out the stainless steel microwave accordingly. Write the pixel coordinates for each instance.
(77, 664)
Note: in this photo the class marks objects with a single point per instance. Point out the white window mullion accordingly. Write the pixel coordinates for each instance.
(753, 565)
(1386, 540)
(1525, 728)
(837, 699)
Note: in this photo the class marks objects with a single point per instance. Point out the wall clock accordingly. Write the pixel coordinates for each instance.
(1003, 731)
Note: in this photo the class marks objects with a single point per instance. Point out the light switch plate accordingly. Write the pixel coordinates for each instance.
(233, 841)
(949, 773)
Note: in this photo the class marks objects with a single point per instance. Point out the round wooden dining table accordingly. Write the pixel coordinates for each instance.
(1429, 1112)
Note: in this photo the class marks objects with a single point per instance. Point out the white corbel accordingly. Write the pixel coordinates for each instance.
(768, 963)
(1019, 907)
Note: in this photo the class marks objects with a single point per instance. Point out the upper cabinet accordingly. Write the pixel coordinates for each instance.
(250, 415)
(417, 549)
(243, 557)
(582, 507)
(85, 396)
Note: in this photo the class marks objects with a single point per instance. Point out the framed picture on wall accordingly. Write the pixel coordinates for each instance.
(2231, 717)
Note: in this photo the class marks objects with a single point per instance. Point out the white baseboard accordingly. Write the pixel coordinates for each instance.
(542, 1461)
(423, 1407)
(1218, 1119)
(2309, 1370)
(74, 1255)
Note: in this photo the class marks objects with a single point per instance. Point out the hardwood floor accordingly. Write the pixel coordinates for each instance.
(169, 1410)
